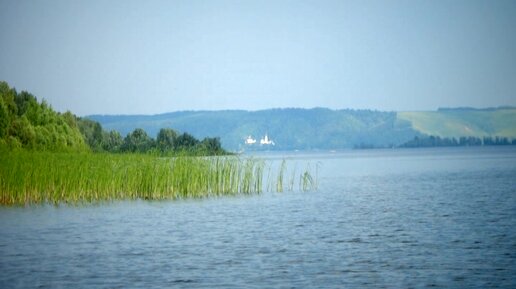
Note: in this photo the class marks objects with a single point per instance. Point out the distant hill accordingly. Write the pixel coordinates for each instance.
(464, 122)
(320, 128)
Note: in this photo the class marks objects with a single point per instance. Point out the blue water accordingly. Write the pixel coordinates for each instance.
(440, 218)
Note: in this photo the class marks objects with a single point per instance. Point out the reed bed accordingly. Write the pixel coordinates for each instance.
(28, 177)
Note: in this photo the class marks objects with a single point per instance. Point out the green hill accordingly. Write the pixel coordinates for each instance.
(291, 128)
(27, 123)
(464, 122)
(321, 128)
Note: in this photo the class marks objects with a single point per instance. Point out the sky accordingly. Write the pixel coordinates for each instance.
(149, 57)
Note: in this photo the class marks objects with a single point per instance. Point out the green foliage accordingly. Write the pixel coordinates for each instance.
(23, 100)
(26, 123)
(112, 141)
(137, 141)
(22, 130)
(167, 142)
(211, 146)
(186, 141)
(166, 139)
(4, 119)
(436, 141)
(8, 95)
(92, 133)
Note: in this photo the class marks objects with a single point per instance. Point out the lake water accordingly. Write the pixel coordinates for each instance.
(418, 218)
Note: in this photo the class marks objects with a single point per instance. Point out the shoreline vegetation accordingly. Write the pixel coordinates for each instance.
(51, 157)
(436, 141)
(28, 124)
(31, 177)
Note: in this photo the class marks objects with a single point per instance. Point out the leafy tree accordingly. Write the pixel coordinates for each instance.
(23, 100)
(211, 146)
(22, 130)
(166, 139)
(186, 142)
(4, 119)
(92, 132)
(70, 119)
(137, 141)
(8, 96)
(112, 141)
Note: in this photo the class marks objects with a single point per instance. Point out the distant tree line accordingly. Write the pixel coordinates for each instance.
(29, 124)
(455, 109)
(167, 141)
(436, 141)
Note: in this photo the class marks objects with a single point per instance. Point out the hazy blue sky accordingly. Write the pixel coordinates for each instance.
(121, 57)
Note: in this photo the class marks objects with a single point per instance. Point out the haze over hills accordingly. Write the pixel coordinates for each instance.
(458, 122)
(321, 128)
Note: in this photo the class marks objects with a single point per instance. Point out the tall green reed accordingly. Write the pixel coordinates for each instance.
(28, 177)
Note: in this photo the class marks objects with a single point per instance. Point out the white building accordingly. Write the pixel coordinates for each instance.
(266, 141)
(250, 140)
(263, 141)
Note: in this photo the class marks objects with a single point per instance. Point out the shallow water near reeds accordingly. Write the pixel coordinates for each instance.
(417, 218)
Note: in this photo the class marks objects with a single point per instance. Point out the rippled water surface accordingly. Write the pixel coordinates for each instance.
(418, 218)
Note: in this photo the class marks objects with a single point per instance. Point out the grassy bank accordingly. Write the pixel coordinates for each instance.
(28, 177)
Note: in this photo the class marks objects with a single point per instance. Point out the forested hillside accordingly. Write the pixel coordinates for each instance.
(322, 128)
(27, 123)
(291, 128)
